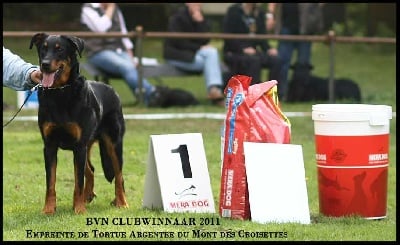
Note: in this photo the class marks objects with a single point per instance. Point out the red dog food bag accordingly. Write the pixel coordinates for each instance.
(267, 122)
(253, 115)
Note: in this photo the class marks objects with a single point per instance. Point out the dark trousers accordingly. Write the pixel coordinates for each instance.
(251, 65)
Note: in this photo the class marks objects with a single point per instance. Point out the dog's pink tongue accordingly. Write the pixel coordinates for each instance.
(48, 79)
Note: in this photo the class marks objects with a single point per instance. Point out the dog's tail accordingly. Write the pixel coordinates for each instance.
(109, 154)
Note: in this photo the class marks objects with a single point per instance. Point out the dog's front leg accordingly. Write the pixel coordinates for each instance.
(89, 182)
(50, 159)
(79, 170)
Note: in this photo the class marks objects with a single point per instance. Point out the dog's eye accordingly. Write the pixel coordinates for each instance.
(60, 49)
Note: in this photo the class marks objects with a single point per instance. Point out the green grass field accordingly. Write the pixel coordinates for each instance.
(372, 66)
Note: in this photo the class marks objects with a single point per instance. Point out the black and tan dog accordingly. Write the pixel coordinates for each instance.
(304, 86)
(165, 97)
(74, 113)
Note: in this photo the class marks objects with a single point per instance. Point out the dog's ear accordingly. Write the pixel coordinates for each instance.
(77, 42)
(297, 65)
(38, 39)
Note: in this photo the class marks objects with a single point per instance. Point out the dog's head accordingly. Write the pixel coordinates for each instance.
(164, 97)
(299, 85)
(57, 58)
(301, 72)
(158, 97)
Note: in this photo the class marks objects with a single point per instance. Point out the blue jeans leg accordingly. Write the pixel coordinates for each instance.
(206, 60)
(304, 52)
(285, 51)
(121, 64)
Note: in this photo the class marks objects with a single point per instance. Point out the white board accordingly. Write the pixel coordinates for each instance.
(276, 183)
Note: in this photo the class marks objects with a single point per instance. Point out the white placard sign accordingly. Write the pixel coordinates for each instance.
(177, 177)
(276, 183)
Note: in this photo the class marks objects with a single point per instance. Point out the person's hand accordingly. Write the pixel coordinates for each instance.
(109, 9)
(132, 55)
(108, 5)
(197, 16)
(249, 51)
(36, 76)
(205, 46)
(272, 51)
(130, 52)
(195, 11)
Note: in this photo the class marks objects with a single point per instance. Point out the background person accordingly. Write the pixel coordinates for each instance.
(113, 55)
(195, 55)
(294, 19)
(249, 56)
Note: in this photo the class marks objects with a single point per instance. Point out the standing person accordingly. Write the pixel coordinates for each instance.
(249, 56)
(195, 55)
(113, 55)
(19, 74)
(295, 19)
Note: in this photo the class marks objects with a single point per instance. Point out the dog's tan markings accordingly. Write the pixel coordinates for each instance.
(120, 199)
(74, 130)
(47, 127)
(79, 197)
(89, 174)
(50, 203)
(66, 71)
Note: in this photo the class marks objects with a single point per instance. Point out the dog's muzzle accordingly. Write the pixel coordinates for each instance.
(50, 77)
(46, 65)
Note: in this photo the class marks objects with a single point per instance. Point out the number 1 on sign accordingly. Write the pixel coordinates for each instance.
(184, 155)
(178, 183)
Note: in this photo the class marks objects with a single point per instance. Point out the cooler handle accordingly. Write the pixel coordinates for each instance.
(379, 119)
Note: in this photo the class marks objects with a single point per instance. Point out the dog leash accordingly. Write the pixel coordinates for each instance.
(26, 99)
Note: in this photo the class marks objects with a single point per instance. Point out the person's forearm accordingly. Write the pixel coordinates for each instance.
(16, 72)
(109, 10)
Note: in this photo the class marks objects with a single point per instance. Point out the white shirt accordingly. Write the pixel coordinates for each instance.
(102, 23)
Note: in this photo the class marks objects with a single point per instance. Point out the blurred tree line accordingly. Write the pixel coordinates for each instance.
(350, 19)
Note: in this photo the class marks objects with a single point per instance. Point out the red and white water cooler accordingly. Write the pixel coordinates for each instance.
(352, 155)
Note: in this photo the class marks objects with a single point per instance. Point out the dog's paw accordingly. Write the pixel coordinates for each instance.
(120, 203)
(80, 209)
(158, 96)
(90, 196)
(49, 210)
